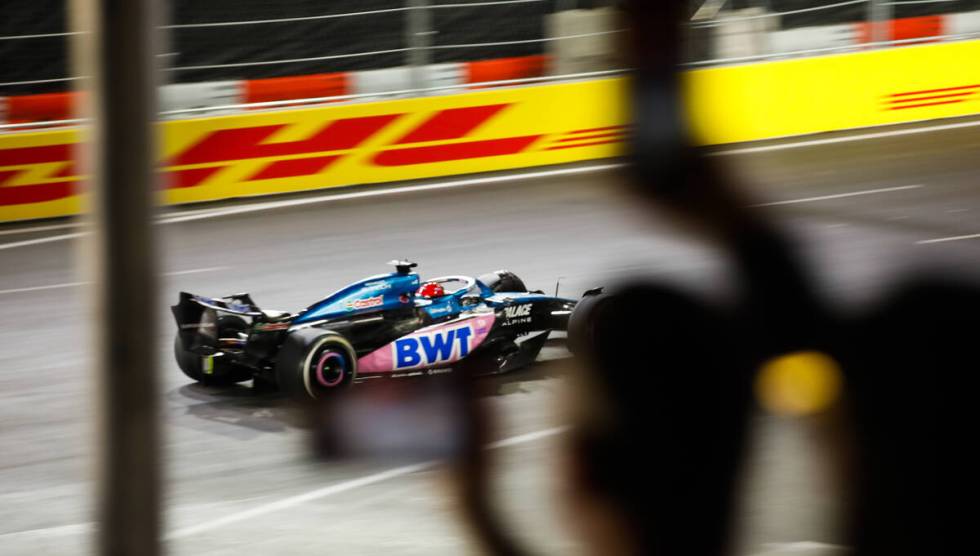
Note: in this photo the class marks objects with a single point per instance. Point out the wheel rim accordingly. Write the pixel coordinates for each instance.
(331, 369)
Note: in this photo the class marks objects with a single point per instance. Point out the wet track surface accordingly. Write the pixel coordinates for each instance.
(864, 213)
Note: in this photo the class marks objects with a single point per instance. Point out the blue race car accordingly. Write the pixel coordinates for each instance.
(389, 325)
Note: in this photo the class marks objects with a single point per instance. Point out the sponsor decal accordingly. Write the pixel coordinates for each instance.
(47, 172)
(516, 311)
(432, 348)
(377, 286)
(365, 303)
(444, 310)
(932, 97)
(270, 152)
(590, 137)
(517, 314)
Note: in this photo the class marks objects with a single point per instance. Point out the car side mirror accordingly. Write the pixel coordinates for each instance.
(469, 300)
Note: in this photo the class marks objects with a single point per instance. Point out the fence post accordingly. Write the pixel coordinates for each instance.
(418, 38)
(879, 20)
(115, 54)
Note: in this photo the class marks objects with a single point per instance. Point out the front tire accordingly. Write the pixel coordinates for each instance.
(314, 364)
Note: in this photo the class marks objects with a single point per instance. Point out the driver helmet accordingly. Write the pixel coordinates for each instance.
(430, 290)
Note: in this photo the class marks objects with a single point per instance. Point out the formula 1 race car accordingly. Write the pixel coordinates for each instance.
(387, 325)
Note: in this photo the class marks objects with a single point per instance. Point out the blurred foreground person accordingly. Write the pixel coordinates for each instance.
(667, 380)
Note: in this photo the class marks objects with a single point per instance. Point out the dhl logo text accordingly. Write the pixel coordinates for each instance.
(270, 152)
(45, 173)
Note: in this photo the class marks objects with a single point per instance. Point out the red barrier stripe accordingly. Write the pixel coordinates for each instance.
(904, 106)
(67, 171)
(238, 144)
(929, 91)
(560, 147)
(294, 168)
(924, 27)
(933, 97)
(177, 179)
(7, 174)
(42, 192)
(588, 137)
(37, 108)
(454, 123)
(59, 106)
(598, 129)
(916, 27)
(35, 155)
(35, 193)
(504, 69)
(296, 87)
(457, 151)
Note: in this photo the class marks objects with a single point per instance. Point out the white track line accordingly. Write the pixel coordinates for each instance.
(845, 139)
(840, 195)
(84, 224)
(257, 207)
(47, 532)
(804, 547)
(294, 500)
(196, 270)
(300, 499)
(77, 284)
(36, 229)
(393, 191)
(41, 288)
(525, 438)
(329, 198)
(945, 239)
(344, 487)
(38, 241)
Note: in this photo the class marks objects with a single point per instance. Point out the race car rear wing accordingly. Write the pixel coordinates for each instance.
(197, 318)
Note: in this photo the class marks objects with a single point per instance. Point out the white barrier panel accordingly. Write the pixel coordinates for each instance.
(962, 23)
(400, 78)
(737, 37)
(182, 96)
(811, 38)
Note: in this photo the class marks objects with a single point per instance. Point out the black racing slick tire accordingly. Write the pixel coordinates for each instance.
(222, 373)
(314, 364)
(503, 281)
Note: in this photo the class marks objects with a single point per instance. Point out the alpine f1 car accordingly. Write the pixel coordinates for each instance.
(387, 325)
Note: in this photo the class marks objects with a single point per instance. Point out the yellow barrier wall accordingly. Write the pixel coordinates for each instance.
(293, 150)
(829, 93)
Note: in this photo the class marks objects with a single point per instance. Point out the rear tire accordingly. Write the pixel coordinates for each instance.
(314, 364)
(223, 373)
(503, 281)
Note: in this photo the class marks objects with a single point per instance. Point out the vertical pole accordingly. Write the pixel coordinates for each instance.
(116, 56)
(879, 16)
(768, 25)
(418, 38)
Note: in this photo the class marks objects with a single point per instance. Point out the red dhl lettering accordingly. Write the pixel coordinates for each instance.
(222, 148)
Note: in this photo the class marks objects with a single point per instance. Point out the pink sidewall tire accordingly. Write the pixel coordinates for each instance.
(315, 364)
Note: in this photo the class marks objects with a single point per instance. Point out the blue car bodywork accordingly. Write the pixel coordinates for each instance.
(375, 326)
